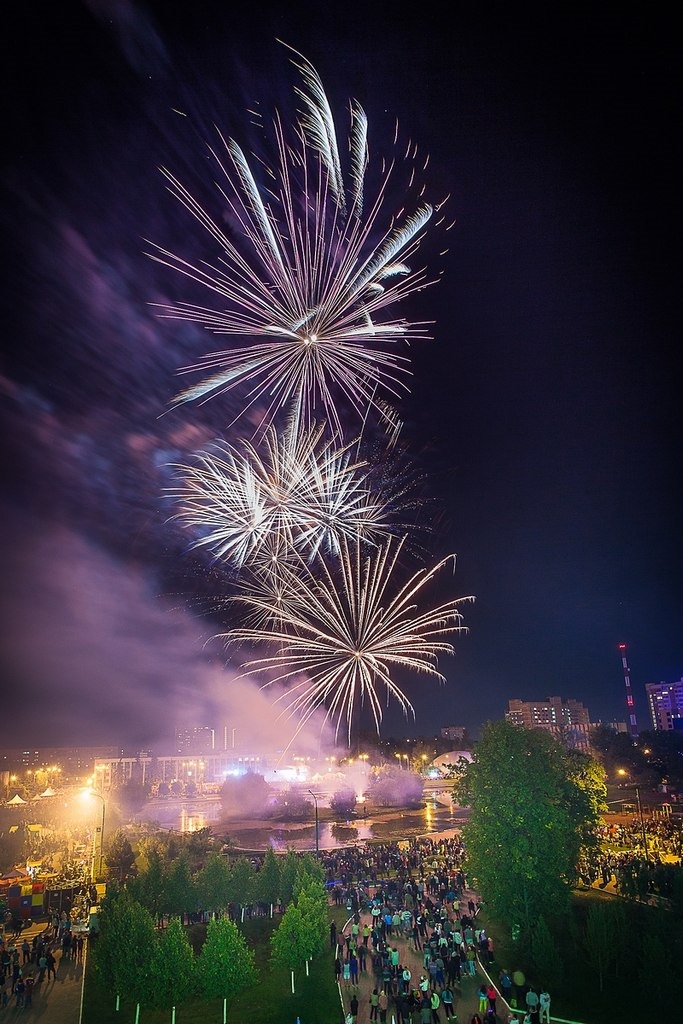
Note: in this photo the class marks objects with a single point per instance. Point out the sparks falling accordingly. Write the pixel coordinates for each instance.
(306, 268)
(345, 629)
(306, 272)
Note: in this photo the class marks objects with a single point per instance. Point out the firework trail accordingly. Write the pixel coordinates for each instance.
(305, 269)
(343, 630)
(305, 273)
(295, 490)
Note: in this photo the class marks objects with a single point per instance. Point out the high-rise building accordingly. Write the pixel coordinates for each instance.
(453, 732)
(665, 701)
(567, 720)
(195, 739)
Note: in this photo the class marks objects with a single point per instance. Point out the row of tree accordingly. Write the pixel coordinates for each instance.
(140, 962)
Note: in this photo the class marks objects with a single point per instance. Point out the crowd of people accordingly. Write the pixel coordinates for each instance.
(27, 964)
(411, 903)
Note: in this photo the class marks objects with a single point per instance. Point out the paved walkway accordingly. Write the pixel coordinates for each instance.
(57, 1000)
(465, 1003)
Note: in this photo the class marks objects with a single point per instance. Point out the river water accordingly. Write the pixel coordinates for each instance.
(437, 815)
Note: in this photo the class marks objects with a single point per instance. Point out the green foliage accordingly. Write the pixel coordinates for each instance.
(173, 968)
(545, 955)
(226, 964)
(199, 846)
(289, 941)
(149, 887)
(268, 878)
(214, 884)
(528, 821)
(180, 892)
(120, 856)
(125, 948)
(290, 869)
(303, 931)
(242, 884)
(603, 938)
(312, 902)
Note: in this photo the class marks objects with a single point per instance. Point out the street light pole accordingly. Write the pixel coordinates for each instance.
(92, 792)
(317, 838)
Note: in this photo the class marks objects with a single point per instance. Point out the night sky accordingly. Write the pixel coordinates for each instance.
(545, 414)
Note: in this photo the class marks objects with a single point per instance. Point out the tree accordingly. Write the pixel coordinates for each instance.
(245, 796)
(173, 967)
(527, 823)
(242, 881)
(288, 874)
(343, 802)
(268, 878)
(303, 930)
(603, 938)
(126, 947)
(288, 942)
(131, 796)
(149, 887)
(226, 964)
(120, 856)
(393, 787)
(199, 846)
(179, 892)
(213, 883)
(311, 900)
(545, 955)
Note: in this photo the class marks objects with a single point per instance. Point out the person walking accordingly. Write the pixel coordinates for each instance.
(447, 1000)
(435, 1003)
(491, 995)
(544, 1006)
(374, 1004)
(505, 982)
(383, 1004)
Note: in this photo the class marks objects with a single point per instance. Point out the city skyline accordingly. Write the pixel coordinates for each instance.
(543, 417)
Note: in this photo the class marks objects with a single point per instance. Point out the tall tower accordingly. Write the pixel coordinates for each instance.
(633, 728)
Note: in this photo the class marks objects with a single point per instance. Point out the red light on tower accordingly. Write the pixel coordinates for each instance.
(633, 728)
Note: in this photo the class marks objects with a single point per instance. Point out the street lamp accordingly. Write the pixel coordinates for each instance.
(92, 792)
(624, 773)
(317, 836)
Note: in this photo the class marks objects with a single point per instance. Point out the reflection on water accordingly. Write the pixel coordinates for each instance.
(191, 815)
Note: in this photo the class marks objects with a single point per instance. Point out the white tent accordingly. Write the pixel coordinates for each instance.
(16, 800)
(49, 792)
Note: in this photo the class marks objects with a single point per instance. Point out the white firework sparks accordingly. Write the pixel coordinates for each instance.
(294, 491)
(305, 273)
(341, 634)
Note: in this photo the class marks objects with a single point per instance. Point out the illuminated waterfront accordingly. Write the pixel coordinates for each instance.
(187, 815)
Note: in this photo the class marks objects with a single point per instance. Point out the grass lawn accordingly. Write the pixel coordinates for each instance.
(315, 1000)
(624, 996)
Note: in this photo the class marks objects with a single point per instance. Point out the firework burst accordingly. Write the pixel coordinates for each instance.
(342, 631)
(306, 272)
(251, 505)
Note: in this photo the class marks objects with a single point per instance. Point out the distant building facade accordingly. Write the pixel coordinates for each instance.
(665, 701)
(195, 739)
(74, 762)
(567, 720)
(453, 732)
